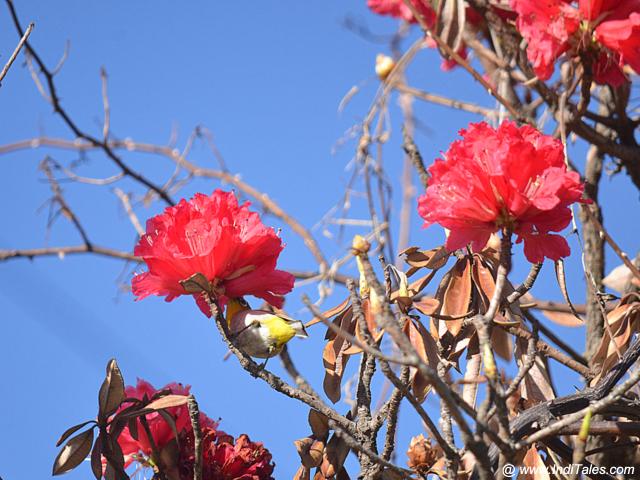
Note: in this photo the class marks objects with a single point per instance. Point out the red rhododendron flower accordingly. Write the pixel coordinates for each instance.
(161, 431)
(510, 177)
(619, 29)
(225, 459)
(547, 26)
(398, 9)
(607, 29)
(218, 238)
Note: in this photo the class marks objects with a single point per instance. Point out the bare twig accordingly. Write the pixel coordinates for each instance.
(14, 55)
(447, 102)
(194, 415)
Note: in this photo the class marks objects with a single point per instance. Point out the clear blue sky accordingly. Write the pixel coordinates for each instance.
(266, 78)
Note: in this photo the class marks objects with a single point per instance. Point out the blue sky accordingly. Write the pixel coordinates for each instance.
(266, 78)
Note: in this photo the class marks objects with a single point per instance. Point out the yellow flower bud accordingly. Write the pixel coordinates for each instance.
(360, 244)
(384, 66)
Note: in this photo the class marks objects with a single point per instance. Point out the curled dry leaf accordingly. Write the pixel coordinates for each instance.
(96, 458)
(111, 392)
(426, 347)
(334, 456)
(71, 430)
(311, 451)
(375, 332)
(303, 473)
(472, 372)
(624, 321)
(564, 319)
(620, 278)
(467, 464)
(536, 386)
(533, 460)
(319, 424)
(329, 313)
(454, 295)
(501, 343)
(483, 275)
(167, 401)
(422, 454)
(562, 283)
(451, 22)
(433, 259)
(427, 305)
(334, 356)
(73, 452)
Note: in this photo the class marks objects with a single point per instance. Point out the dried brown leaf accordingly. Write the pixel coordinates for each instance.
(484, 281)
(623, 323)
(167, 401)
(329, 313)
(457, 295)
(96, 458)
(471, 373)
(303, 473)
(319, 424)
(534, 461)
(501, 343)
(562, 283)
(451, 19)
(311, 451)
(536, 386)
(335, 454)
(73, 452)
(564, 319)
(71, 430)
(426, 347)
(427, 305)
(112, 390)
(432, 259)
(619, 278)
(334, 364)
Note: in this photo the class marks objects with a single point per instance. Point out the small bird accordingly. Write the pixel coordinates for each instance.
(260, 333)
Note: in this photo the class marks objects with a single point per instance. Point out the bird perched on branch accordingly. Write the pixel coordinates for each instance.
(260, 333)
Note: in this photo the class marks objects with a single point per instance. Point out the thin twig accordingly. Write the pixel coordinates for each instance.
(14, 55)
(194, 415)
(447, 102)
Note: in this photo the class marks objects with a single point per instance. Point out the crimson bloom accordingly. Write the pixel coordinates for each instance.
(398, 9)
(607, 30)
(161, 431)
(224, 458)
(510, 178)
(217, 237)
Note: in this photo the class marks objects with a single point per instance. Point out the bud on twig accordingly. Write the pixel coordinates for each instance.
(384, 66)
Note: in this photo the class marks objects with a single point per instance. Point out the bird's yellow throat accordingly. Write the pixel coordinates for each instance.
(280, 330)
(234, 306)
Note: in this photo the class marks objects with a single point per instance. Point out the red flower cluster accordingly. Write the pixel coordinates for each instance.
(223, 457)
(161, 431)
(510, 177)
(218, 238)
(608, 30)
(398, 9)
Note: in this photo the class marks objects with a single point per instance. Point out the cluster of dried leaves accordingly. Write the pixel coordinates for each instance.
(322, 450)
